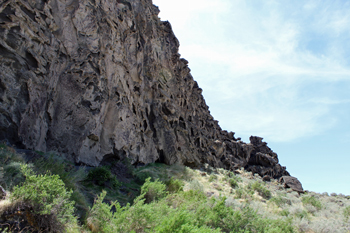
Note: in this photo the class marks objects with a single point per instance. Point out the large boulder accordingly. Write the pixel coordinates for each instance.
(292, 182)
(263, 160)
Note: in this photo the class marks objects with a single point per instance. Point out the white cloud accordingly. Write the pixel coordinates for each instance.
(259, 66)
(183, 11)
(329, 101)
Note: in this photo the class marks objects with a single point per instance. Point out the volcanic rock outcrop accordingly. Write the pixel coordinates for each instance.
(103, 79)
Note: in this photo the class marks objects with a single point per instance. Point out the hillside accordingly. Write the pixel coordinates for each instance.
(104, 129)
(173, 199)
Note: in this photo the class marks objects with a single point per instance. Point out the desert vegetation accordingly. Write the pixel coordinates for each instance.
(45, 193)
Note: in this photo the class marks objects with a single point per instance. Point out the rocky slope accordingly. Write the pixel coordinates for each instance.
(100, 80)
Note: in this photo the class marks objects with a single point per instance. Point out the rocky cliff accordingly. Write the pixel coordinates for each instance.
(101, 80)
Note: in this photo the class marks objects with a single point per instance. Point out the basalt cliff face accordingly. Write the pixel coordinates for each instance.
(99, 80)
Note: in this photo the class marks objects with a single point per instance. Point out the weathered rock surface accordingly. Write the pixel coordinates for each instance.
(103, 79)
(292, 182)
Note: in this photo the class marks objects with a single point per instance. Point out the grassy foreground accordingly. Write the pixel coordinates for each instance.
(46, 193)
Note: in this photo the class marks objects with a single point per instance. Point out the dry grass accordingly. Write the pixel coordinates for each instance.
(304, 216)
(7, 205)
(240, 189)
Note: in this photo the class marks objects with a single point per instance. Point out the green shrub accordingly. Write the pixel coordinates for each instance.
(212, 177)
(234, 176)
(8, 153)
(261, 189)
(311, 200)
(273, 225)
(156, 171)
(182, 221)
(189, 211)
(141, 176)
(11, 163)
(280, 200)
(284, 213)
(240, 193)
(302, 214)
(233, 183)
(100, 215)
(72, 177)
(47, 196)
(196, 185)
(101, 176)
(346, 212)
(12, 174)
(188, 228)
(174, 185)
(153, 191)
(55, 165)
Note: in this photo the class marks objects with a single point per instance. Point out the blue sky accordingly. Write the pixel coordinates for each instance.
(279, 70)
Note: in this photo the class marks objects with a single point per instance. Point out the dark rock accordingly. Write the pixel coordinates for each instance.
(263, 160)
(266, 178)
(103, 80)
(209, 194)
(292, 182)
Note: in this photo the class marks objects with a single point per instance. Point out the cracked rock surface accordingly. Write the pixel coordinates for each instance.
(102, 79)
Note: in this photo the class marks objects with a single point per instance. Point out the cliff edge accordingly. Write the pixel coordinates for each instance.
(102, 80)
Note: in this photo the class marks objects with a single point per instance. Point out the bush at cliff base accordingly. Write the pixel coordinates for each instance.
(181, 211)
(45, 200)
